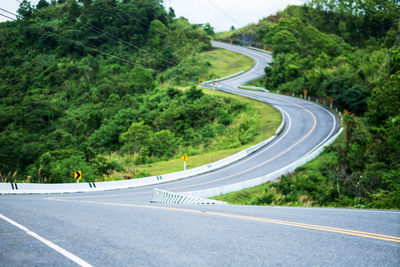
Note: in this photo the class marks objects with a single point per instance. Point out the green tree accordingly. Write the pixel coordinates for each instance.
(74, 8)
(136, 138)
(162, 144)
(209, 29)
(25, 10)
(42, 4)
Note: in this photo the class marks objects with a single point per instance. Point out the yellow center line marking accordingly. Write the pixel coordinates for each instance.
(248, 218)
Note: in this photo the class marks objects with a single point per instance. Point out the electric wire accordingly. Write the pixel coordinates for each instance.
(9, 12)
(131, 17)
(129, 61)
(111, 36)
(223, 12)
(13, 19)
(7, 16)
(78, 43)
(117, 57)
(108, 35)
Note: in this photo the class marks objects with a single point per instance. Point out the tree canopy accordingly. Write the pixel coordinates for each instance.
(81, 80)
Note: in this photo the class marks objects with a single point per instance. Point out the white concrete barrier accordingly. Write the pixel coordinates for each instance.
(224, 78)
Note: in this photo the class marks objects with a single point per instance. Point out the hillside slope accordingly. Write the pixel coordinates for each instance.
(81, 81)
(348, 53)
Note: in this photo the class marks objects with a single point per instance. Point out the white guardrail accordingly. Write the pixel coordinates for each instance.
(216, 191)
(32, 188)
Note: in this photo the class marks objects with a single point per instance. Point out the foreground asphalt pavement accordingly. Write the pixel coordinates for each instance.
(122, 227)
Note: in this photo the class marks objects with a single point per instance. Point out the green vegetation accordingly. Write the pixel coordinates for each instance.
(199, 66)
(348, 51)
(257, 83)
(225, 62)
(92, 86)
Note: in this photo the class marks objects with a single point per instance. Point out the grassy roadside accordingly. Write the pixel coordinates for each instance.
(315, 184)
(257, 83)
(300, 188)
(225, 62)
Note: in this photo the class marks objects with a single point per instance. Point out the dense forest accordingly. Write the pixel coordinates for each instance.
(80, 80)
(347, 50)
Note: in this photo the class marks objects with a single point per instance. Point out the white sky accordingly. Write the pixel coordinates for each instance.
(202, 11)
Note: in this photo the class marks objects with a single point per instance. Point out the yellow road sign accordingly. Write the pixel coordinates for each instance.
(305, 91)
(78, 175)
(331, 99)
(184, 158)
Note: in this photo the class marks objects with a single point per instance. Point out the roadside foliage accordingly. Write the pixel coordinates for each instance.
(82, 81)
(347, 51)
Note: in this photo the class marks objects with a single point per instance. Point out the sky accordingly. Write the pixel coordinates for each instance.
(221, 14)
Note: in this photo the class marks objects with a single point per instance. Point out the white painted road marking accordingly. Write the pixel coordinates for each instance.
(50, 244)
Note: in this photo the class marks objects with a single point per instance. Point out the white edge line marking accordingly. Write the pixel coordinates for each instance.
(50, 244)
(329, 135)
(331, 209)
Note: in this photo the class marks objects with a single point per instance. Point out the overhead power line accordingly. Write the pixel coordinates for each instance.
(131, 17)
(112, 37)
(117, 57)
(7, 16)
(79, 43)
(109, 35)
(223, 12)
(8, 12)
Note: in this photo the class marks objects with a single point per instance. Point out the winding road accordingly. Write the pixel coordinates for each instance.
(122, 227)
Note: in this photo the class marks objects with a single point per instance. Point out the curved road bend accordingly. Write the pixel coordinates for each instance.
(122, 228)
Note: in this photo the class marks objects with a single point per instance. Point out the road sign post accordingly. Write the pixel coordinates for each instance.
(184, 158)
(77, 176)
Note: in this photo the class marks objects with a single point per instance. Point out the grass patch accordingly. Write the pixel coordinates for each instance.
(257, 83)
(268, 120)
(308, 186)
(225, 62)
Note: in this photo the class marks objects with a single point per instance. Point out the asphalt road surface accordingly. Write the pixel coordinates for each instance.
(122, 227)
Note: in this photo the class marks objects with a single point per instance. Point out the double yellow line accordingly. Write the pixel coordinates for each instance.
(247, 218)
